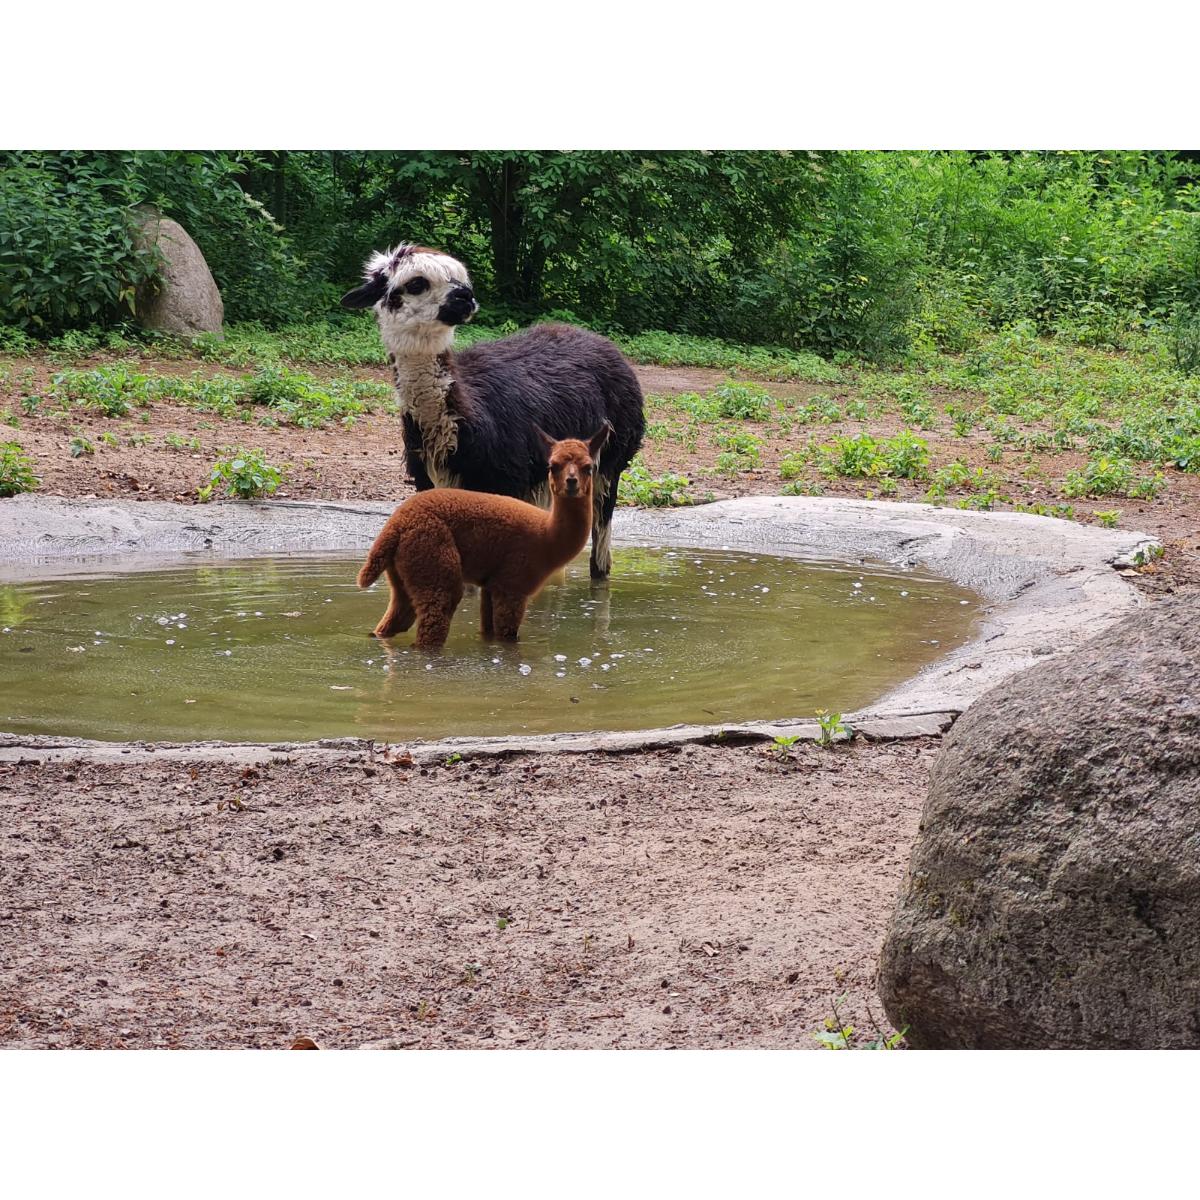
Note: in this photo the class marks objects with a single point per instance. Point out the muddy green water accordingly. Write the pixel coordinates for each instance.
(278, 649)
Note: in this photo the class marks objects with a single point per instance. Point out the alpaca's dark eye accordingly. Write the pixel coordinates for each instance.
(587, 469)
(414, 287)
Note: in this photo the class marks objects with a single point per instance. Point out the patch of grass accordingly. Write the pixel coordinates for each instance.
(1105, 476)
(243, 475)
(639, 488)
(742, 401)
(739, 452)
(16, 470)
(904, 456)
(114, 389)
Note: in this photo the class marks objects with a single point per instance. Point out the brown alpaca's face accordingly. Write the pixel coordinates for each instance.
(570, 469)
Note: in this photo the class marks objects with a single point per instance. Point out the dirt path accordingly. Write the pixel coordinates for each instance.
(700, 898)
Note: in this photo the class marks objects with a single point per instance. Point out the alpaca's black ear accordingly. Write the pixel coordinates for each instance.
(370, 293)
(547, 441)
(597, 440)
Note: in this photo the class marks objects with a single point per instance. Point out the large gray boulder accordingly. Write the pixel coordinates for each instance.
(185, 300)
(1053, 894)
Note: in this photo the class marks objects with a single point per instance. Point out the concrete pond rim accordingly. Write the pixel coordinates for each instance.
(1047, 585)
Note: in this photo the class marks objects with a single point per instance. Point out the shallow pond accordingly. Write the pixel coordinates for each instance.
(279, 649)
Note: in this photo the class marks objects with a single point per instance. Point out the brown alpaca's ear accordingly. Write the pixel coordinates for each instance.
(597, 440)
(547, 441)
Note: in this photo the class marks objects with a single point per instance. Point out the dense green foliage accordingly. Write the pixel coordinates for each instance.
(868, 253)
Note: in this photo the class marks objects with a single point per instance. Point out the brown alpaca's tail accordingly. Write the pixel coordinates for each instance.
(382, 553)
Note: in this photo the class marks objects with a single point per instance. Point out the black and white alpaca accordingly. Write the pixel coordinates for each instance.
(471, 419)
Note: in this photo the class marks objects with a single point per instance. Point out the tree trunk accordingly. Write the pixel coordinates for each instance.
(516, 267)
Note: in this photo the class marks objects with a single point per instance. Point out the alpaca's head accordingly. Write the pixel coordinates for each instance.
(419, 296)
(571, 462)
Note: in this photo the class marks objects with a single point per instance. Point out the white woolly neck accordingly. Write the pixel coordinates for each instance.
(425, 342)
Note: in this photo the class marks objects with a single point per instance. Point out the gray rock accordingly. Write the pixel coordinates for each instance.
(185, 300)
(1053, 894)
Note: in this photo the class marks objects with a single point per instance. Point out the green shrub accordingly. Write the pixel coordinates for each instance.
(1105, 476)
(244, 475)
(862, 457)
(16, 470)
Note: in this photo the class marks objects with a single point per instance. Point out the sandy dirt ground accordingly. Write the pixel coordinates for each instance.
(704, 897)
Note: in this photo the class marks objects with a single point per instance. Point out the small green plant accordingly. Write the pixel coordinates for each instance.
(791, 466)
(906, 456)
(739, 452)
(108, 438)
(244, 475)
(16, 470)
(839, 1034)
(8, 417)
(781, 746)
(1109, 518)
(453, 758)
(177, 442)
(830, 726)
(79, 446)
(140, 439)
(639, 487)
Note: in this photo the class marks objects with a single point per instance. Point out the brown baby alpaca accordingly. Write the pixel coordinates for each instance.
(439, 540)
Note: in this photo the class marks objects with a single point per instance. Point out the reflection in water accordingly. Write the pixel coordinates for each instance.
(278, 648)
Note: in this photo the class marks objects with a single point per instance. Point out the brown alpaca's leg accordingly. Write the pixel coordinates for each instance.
(436, 594)
(507, 614)
(485, 612)
(433, 620)
(400, 614)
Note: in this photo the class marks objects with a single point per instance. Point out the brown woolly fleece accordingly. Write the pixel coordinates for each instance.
(437, 541)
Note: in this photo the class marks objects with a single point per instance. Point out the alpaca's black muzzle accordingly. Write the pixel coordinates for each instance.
(458, 307)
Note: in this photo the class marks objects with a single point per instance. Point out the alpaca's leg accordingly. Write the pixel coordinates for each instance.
(604, 504)
(436, 587)
(434, 615)
(507, 614)
(485, 612)
(400, 614)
